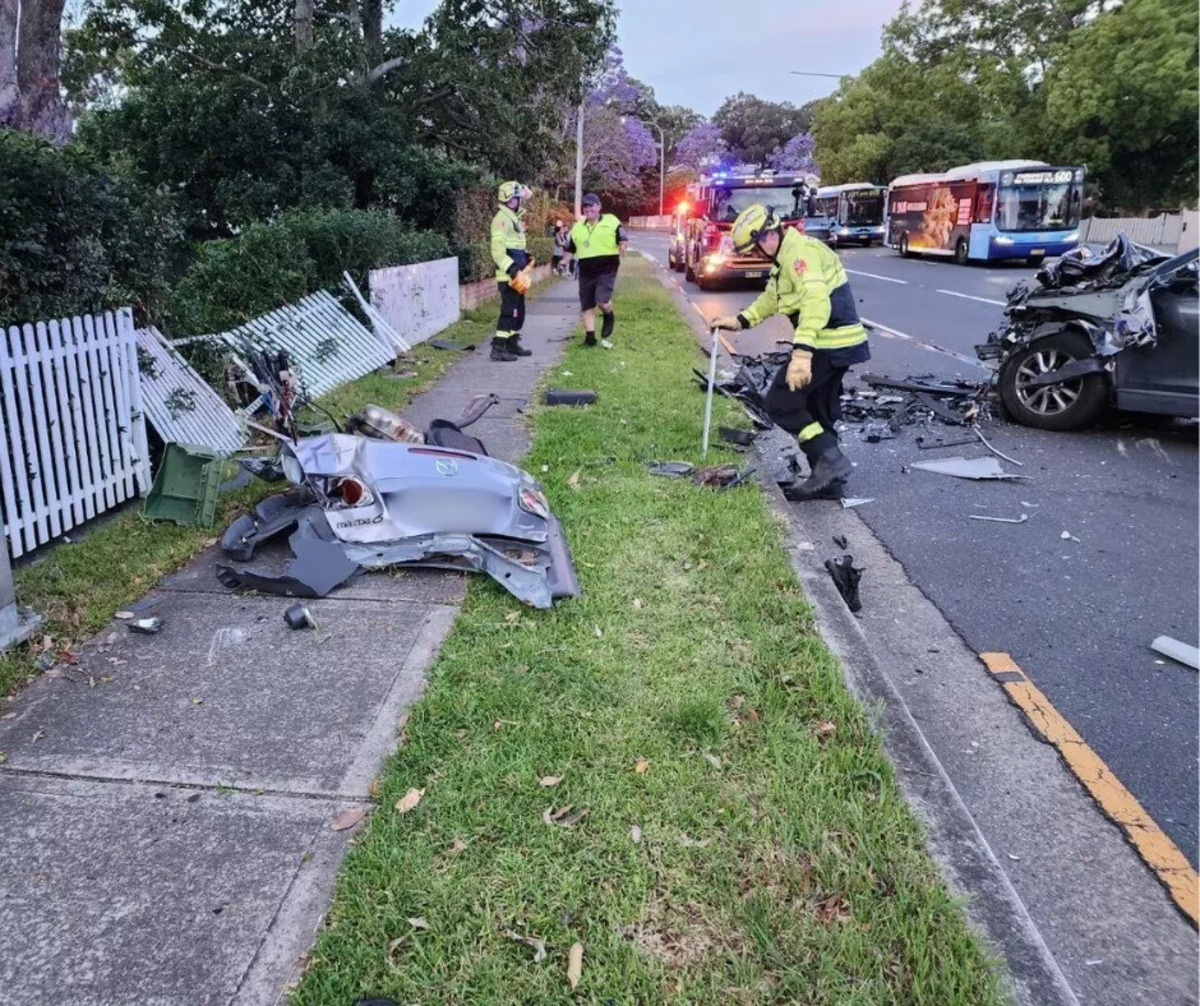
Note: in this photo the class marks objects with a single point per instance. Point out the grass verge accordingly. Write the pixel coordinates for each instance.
(735, 834)
(78, 586)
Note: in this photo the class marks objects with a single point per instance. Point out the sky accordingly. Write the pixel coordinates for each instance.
(699, 52)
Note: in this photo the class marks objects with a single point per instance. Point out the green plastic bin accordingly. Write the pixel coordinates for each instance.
(186, 485)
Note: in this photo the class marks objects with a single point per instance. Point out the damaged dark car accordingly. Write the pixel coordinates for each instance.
(1096, 331)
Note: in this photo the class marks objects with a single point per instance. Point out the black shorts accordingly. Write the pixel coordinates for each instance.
(512, 309)
(597, 289)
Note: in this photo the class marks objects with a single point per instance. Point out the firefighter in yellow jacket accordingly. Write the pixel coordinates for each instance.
(808, 284)
(598, 243)
(513, 266)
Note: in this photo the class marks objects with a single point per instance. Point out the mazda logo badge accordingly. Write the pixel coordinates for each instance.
(446, 468)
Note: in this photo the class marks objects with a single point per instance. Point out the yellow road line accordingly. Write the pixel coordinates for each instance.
(1159, 852)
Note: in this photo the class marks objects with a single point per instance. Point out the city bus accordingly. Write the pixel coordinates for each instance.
(982, 212)
(855, 211)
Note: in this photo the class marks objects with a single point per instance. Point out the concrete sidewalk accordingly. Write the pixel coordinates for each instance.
(166, 805)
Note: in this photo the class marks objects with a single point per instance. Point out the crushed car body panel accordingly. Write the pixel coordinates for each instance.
(364, 503)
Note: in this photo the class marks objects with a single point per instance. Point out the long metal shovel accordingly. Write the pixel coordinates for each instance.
(708, 398)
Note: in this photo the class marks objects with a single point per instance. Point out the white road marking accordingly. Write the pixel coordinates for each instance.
(872, 275)
(893, 333)
(967, 296)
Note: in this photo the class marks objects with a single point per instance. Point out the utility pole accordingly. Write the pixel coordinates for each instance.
(579, 162)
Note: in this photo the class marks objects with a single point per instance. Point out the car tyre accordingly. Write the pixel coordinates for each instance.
(1072, 405)
(689, 273)
(904, 246)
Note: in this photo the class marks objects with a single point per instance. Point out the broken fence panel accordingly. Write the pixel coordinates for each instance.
(324, 340)
(72, 431)
(418, 300)
(180, 404)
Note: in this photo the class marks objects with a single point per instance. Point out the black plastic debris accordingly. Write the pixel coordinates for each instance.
(846, 579)
(454, 347)
(841, 541)
(563, 396)
(299, 617)
(742, 438)
(146, 626)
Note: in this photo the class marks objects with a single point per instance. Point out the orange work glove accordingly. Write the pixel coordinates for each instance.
(799, 372)
(521, 282)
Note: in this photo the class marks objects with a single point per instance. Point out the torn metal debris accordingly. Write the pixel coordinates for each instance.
(365, 502)
(964, 468)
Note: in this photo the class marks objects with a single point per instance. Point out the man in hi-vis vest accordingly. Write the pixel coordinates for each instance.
(513, 266)
(598, 242)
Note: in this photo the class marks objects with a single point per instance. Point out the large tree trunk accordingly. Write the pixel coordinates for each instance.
(304, 25)
(41, 109)
(9, 93)
(372, 27)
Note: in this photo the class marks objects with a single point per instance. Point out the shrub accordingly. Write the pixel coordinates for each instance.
(270, 264)
(74, 239)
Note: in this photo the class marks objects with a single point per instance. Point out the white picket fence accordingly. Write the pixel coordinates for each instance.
(417, 300)
(72, 432)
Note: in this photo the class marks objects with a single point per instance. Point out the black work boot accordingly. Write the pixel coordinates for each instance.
(827, 480)
(500, 353)
(589, 338)
(515, 347)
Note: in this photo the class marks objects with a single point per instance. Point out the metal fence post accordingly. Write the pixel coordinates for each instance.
(15, 625)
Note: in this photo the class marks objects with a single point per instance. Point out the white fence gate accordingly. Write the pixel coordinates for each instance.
(419, 300)
(72, 432)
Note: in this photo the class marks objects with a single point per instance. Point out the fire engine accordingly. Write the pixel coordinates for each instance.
(700, 244)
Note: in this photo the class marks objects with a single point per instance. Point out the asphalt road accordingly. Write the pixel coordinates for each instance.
(1077, 616)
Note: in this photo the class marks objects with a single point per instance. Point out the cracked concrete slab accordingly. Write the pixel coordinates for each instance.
(138, 895)
(226, 693)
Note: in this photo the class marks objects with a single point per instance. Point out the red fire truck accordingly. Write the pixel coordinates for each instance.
(700, 243)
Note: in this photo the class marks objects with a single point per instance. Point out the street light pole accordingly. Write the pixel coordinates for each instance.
(809, 73)
(579, 163)
(662, 156)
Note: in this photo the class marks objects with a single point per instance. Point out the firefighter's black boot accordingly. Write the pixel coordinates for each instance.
(515, 347)
(827, 480)
(500, 353)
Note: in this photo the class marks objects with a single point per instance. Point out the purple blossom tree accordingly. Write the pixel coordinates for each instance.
(700, 147)
(795, 155)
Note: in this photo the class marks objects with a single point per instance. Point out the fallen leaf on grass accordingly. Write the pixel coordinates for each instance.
(512, 617)
(712, 759)
(563, 816)
(574, 480)
(599, 632)
(458, 846)
(755, 715)
(702, 564)
(825, 731)
(418, 922)
(641, 767)
(460, 734)
(635, 834)
(374, 791)
(539, 946)
(637, 604)
(575, 964)
(348, 818)
(549, 780)
(689, 842)
(832, 909)
(497, 724)
(736, 702)
(409, 800)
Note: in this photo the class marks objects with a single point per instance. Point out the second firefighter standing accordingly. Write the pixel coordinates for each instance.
(513, 268)
(598, 243)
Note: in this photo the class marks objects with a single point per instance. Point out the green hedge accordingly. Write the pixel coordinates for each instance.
(75, 239)
(269, 264)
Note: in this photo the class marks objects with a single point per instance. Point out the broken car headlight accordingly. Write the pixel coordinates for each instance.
(534, 502)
